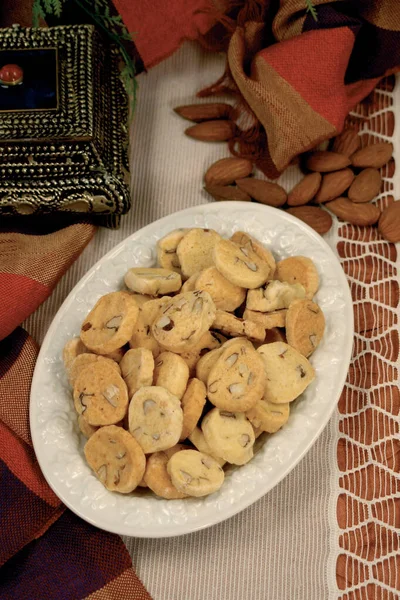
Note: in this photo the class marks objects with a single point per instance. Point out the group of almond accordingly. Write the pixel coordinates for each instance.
(344, 179)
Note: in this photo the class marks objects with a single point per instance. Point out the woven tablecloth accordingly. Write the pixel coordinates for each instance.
(331, 528)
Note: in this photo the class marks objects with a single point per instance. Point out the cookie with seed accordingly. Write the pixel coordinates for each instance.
(195, 250)
(166, 250)
(116, 459)
(156, 476)
(305, 326)
(71, 350)
(193, 402)
(85, 360)
(137, 368)
(86, 429)
(109, 325)
(267, 416)
(276, 318)
(155, 418)
(182, 322)
(100, 394)
(235, 327)
(172, 373)
(244, 239)
(299, 269)
(240, 264)
(237, 380)
(274, 296)
(199, 441)
(153, 282)
(226, 295)
(230, 435)
(206, 363)
(194, 473)
(288, 373)
(142, 336)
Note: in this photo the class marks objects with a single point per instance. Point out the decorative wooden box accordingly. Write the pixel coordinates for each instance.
(63, 127)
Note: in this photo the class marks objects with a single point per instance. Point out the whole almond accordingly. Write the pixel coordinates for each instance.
(227, 170)
(315, 217)
(389, 223)
(365, 186)
(334, 184)
(347, 142)
(204, 112)
(356, 214)
(212, 131)
(227, 192)
(374, 155)
(325, 161)
(305, 190)
(263, 191)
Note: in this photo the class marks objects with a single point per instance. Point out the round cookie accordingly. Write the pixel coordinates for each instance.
(274, 296)
(206, 363)
(137, 369)
(240, 264)
(155, 418)
(299, 269)
(156, 476)
(276, 318)
(195, 250)
(305, 326)
(172, 373)
(180, 324)
(166, 250)
(100, 394)
(229, 435)
(110, 323)
(244, 239)
(195, 473)
(71, 350)
(192, 403)
(153, 282)
(84, 360)
(288, 372)
(235, 327)
(226, 295)
(116, 459)
(236, 381)
(199, 441)
(267, 416)
(141, 335)
(86, 429)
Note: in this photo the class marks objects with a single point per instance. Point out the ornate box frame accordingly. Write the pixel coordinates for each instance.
(72, 157)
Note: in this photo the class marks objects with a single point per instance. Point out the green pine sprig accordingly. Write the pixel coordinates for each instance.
(312, 10)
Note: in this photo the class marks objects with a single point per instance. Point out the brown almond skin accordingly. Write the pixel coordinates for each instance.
(324, 161)
(374, 155)
(204, 112)
(227, 170)
(356, 214)
(262, 191)
(305, 190)
(334, 184)
(212, 131)
(320, 220)
(366, 186)
(347, 142)
(389, 223)
(227, 192)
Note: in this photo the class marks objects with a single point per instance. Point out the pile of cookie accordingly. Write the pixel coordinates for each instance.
(180, 373)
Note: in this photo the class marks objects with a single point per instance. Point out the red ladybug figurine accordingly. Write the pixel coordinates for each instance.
(11, 75)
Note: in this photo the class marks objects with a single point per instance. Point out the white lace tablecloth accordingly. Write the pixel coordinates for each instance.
(285, 546)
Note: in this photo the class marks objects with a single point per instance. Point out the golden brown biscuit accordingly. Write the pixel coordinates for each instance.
(192, 403)
(305, 326)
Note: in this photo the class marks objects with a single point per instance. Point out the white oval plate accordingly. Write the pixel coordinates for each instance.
(55, 435)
